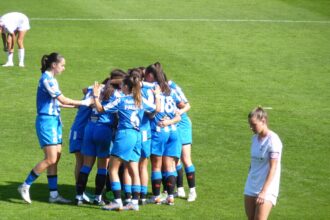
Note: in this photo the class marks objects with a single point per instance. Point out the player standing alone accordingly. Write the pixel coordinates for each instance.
(14, 25)
(262, 185)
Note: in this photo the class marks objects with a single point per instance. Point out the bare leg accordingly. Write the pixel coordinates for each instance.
(263, 210)
(250, 206)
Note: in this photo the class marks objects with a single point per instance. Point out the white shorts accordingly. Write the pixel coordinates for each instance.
(268, 197)
(24, 24)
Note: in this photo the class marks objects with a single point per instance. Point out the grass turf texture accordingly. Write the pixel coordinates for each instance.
(225, 69)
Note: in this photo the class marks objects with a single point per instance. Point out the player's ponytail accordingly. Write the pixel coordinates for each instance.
(133, 84)
(48, 60)
(156, 70)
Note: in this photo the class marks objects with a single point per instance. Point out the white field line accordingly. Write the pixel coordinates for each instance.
(181, 20)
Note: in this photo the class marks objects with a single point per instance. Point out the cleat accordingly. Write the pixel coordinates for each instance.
(25, 193)
(192, 196)
(143, 202)
(86, 198)
(8, 64)
(155, 200)
(21, 64)
(131, 206)
(169, 201)
(180, 193)
(113, 206)
(163, 195)
(59, 199)
(99, 203)
(78, 202)
(127, 201)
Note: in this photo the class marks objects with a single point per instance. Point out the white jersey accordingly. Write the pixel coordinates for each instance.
(261, 152)
(14, 21)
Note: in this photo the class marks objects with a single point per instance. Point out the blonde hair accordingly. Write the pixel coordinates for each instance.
(258, 113)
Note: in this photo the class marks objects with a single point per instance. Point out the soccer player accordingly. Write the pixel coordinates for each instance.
(96, 144)
(14, 25)
(262, 185)
(147, 93)
(77, 131)
(185, 132)
(49, 126)
(165, 141)
(127, 144)
(76, 135)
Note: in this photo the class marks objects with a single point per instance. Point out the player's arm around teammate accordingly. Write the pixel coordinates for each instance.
(165, 143)
(262, 185)
(49, 126)
(127, 144)
(185, 132)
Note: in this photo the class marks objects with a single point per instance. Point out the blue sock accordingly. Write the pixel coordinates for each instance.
(52, 182)
(190, 169)
(31, 177)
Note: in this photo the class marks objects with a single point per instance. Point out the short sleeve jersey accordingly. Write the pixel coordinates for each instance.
(168, 108)
(261, 153)
(83, 113)
(182, 96)
(48, 91)
(129, 114)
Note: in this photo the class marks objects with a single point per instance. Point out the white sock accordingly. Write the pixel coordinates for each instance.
(10, 57)
(53, 194)
(192, 190)
(21, 54)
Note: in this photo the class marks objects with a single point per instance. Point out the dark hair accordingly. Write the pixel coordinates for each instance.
(117, 74)
(134, 86)
(137, 72)
(108, 89)
(156, 70)
(48, 60)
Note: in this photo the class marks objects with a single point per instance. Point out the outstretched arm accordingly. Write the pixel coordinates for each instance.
(67, 101)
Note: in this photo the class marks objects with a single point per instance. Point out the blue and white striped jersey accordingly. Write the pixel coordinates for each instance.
(168, 109)
(129, 114)
(48, 91)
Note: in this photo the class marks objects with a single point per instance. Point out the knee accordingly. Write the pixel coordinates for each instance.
(51, 161)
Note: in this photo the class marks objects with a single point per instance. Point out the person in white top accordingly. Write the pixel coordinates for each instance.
(14, 25)
(262, 184)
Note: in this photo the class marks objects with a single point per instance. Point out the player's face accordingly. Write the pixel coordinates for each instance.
(256, 125)
(125, 89)
(59, 67)
(149, 77)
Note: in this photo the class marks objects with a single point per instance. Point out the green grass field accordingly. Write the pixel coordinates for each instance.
(238, 55)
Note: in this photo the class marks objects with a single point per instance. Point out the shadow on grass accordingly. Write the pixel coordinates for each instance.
(38, 192)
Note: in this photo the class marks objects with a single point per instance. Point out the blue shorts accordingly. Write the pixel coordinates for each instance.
(49, 130)
(76, 140)
(145, 144)
(166, 143)
(185, 130)
(97, 140)
(127, 145)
